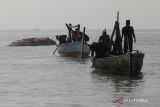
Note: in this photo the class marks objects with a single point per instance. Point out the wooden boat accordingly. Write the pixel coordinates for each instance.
(76, 49)
(129, 64)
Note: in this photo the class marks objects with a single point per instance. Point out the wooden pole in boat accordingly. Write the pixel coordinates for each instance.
(130, 64)
(82, 42)
(115, 29)
(118, 16)
(54, 51)
(129, 58)
(130, 61)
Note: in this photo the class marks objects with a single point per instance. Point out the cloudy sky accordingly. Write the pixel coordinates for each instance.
(94, 14)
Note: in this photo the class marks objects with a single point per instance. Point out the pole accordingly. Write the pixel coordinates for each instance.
(114, 30)
(82, 42)
(130, 61)
(117, 30)
(54, 51)
(118, 16)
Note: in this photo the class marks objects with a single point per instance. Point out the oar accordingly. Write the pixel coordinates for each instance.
(54, 51)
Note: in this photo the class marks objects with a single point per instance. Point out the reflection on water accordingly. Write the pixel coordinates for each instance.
(72, 60)
(119, 86)
(119, 83)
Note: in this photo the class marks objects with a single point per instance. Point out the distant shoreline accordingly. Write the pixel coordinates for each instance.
(66, 29)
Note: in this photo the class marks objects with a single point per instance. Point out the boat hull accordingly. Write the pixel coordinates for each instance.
(127, 64)
(74, 49)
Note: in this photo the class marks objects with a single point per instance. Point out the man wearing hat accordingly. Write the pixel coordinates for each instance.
(105, 39)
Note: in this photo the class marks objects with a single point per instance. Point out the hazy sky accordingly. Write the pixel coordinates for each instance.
(94, 14)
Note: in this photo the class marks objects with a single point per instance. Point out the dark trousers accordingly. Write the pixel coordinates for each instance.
(126, 44)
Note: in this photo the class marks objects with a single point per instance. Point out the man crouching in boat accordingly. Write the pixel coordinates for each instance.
(105, 39)
(103, 47)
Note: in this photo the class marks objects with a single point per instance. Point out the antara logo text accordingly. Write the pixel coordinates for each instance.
(123, 100)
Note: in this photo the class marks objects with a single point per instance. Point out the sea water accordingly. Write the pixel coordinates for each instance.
(33, 77)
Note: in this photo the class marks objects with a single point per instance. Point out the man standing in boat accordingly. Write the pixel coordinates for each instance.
(73, 35)
(69, 26)
(76, 34)
(128, 33)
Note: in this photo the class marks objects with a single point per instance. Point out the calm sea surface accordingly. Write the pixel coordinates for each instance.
(33, 77)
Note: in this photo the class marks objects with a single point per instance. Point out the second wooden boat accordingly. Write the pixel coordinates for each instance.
(76, 49)
(128, 64)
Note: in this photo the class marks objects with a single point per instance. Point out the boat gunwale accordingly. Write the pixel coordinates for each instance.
(109, 57)
(114, 56)
(69, 43)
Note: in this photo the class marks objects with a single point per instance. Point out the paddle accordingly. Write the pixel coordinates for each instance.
(54, 51)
